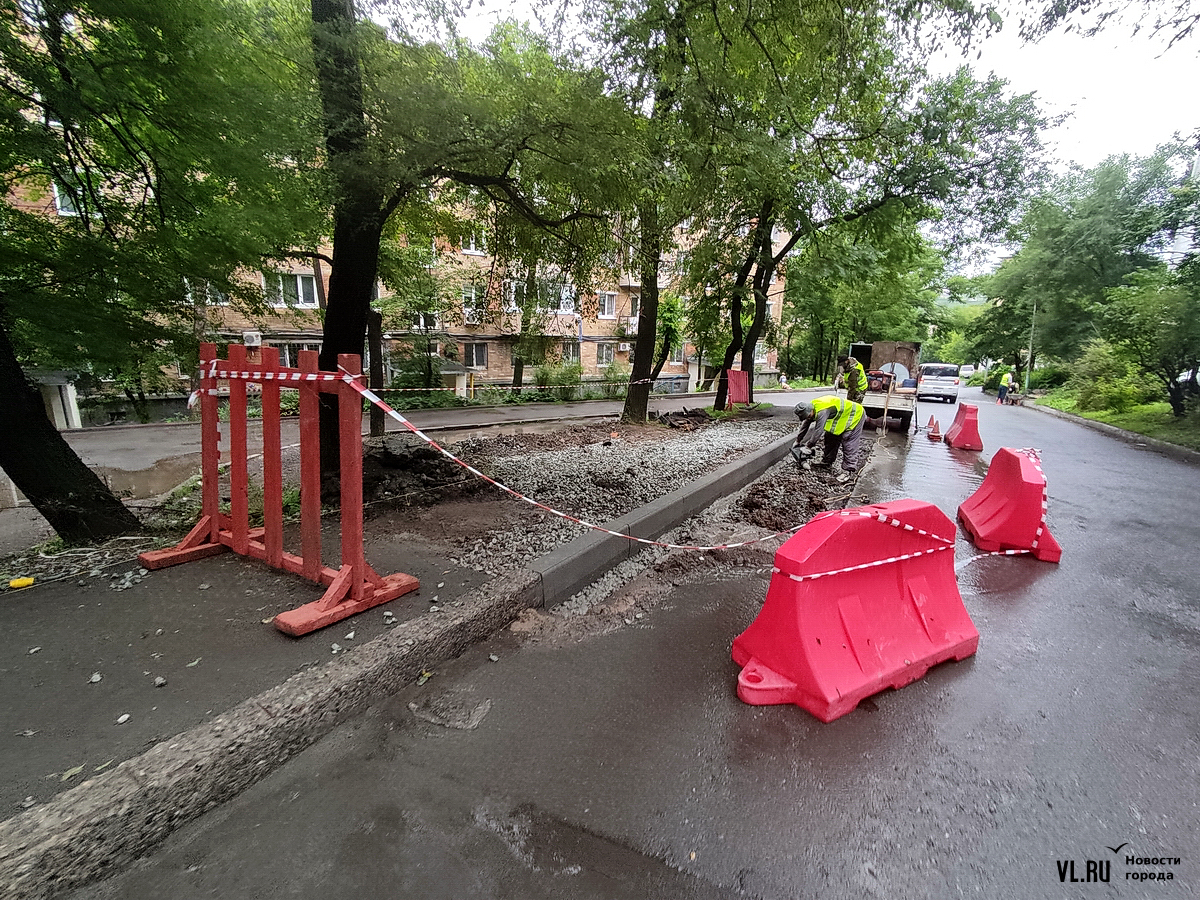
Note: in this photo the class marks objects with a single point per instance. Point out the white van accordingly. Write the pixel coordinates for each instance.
(965, 372)
(939, 380)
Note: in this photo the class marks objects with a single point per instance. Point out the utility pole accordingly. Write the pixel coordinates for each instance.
(1029, 361)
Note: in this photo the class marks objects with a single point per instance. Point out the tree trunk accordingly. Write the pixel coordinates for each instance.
(76, 503)
(637, 398)
(762, 281)
(358, 211)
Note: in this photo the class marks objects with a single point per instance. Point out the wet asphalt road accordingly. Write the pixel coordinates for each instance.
(623, 765)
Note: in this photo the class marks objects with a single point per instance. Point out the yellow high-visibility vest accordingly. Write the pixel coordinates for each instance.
(847, 413)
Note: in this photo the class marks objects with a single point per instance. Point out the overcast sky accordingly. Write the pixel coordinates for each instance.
(1126, 94)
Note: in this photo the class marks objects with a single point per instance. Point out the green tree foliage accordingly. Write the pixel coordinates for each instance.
(1095, 259)
(859, 282)
(1155, 319)
(148, 149)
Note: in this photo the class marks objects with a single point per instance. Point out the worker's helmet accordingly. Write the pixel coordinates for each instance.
(804, 409)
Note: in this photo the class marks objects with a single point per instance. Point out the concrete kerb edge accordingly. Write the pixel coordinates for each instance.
(94, 829)
(575, 565)
(91, 831)
(1174, 451)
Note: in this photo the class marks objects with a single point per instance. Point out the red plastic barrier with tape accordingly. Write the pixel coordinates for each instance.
(1008, 511)
(859, 601)
(964, 433)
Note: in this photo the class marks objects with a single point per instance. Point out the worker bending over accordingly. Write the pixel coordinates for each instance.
(836, 421)
(854, 378)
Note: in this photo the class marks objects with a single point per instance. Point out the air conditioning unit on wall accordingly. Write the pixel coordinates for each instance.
(623, 348)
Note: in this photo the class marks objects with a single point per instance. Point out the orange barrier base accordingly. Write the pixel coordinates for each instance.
(335, 605)
(883, 611)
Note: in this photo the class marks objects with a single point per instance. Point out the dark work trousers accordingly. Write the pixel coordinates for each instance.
(849, 444)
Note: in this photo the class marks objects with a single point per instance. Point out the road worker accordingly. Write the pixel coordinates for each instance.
(839, 423)
(854, 378)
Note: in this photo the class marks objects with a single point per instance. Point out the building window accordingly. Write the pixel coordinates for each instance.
(289, 354)
(605, 354)
(608, 305)
(570, 352)
(475, 355)
(291, 289)
(205, 292)
(635, 305)
(677, 355)
(64, 203)
(566, 299)
(425, 321)
(514, 295)
(472, 313)
(473, 244)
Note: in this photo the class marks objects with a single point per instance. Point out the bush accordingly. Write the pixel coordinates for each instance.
(616, 378)
(560, 380)
(1048, 377)
(1103, 379)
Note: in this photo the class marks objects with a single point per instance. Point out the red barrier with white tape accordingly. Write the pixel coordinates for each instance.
(1007, 512)
(859, 601)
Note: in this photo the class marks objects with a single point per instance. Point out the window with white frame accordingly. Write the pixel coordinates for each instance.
(635, 305)
(291, 289)
(570, 351)
(473, 243)
(608, 304)
(471, 297)
(676, 355)
(605, 354)
(426, 321)
(566, 299)
(205, 292)
(289, 353)
(64, 202)
(475, 355)
(514, 295)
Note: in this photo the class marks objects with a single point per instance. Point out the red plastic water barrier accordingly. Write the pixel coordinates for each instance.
(739, 386)
(353, 587)
(964, 433)
(859, 601)
(1008, 511)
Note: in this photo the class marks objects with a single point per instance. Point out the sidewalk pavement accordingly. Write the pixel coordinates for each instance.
(216, 698)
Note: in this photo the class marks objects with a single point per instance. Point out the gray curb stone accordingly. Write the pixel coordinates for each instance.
(97, 828)
(1174, 451)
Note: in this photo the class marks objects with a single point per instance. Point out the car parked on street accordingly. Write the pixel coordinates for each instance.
(939, 380)
(965, 372)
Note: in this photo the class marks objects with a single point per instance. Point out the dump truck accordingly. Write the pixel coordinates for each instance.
(891, 368)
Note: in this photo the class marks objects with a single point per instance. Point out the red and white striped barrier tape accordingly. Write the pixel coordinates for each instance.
(373, 398)
(1036, 458)
(885, 519)
(354, 381)
(870, 565)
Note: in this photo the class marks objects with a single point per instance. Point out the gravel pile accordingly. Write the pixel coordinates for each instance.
(601, 480)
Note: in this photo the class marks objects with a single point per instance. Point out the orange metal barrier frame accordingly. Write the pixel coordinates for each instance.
(352, 588)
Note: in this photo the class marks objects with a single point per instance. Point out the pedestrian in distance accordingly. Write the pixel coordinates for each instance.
(836, 422)
(783, 381)
(1005, 384)
(854, 378)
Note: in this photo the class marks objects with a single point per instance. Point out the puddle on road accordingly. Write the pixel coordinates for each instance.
(161, 477)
